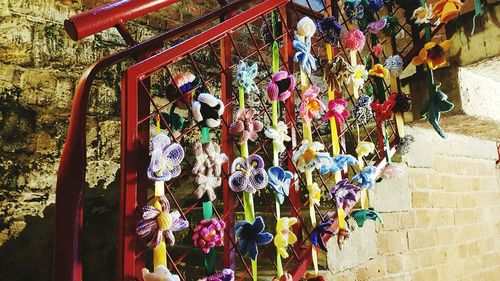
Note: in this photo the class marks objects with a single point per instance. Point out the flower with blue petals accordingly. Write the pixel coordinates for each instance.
(250, 236)
(303, 54)
(338, 163)
(245, 77)
(279, 181)
(366, 178)
(361, 216)
(316, 237)
(309, 156)
(344, 194)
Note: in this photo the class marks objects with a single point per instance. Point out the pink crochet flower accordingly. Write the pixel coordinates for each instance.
(354, 40)
(337, 109)
(378, 50)
(311, 106)
(246, 125)
(209, 234)
(281, 86)
(376, 26)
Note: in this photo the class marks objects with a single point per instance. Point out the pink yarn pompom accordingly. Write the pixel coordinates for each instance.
(354, 40)
(281, 86)
(209, 234)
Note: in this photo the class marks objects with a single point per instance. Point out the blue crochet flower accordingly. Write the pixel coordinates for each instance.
(317, 234)
(338, 163)
(374, 6)
(361, 216)
(251, 236)
(354, 10)
(246, 75)
(366, 178)
(279, 181)
(303, 54)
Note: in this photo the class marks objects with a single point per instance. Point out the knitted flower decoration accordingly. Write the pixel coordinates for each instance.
(209, 234)
(207, 110)
(361, 216)
(391, 28)
(309, 156)
(281, 86)
(365, 148)
(316, 237)
(433, 54)
(279, 181)
(284, 235)
(158, 223)
(374, 6)
(338, 163)
(248, 175)
(354, 10)
(359, 76)
(314, 194)
(375, 27)
(330, 30)
(306, 27)
(447, 10)
(208, 169)
(378, 50)
(362, 111)
(250, 236)
(311, 105)
(224, 275)
(337, 108)
(166, 158)
(379, 70)
(434, 107)
(402, 103)
(394, 64)
(354, 40)
(344, 194)
(405, 144)
(279, 135)
(366, 178)
(245, 125)
(383, 111)
(161, 273)
(392, 171)
(245, 77)
(336, 71)
(423, 15)
(186, 83)
(303, 55)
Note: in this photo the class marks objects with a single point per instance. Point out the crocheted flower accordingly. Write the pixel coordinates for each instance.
(245, 77)
(402, 103)
(447, 10)
(338, 163)
(284, 235)
(354, 40)
(306, 27)
(383, 111)
(366, 178)
(186, 83)
(207, 110)
(281, 86)
(433, 54)
(344, 194)
(330, 30)
(423, 15)
(279, 135)
(392, 171)
(158, 223)
(362, 111)
(303, 55)
(354, 10)
(379, 70)
(311, 106)
(209, 234)
(405, 144)
(375, 27)
(250, 236)
(248, 175)
(336, 71)
(208, 156)
(394, 64)
(309, 156)
(245, 125)
(161, 273)
(279, 181)
(359, 76)
(337, 108)
(314, 194)
(378, 50)
(391, 27)
(224, 275)
(316, 237)
(434, 107)
(166, 158)
(374, 6)
(361, 216)
(365, 148)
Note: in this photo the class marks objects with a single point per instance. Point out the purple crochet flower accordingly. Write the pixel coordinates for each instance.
(248, 175)
(281, 86)
(376, 26)
(209, 234)
(330, 29)
(225, 275)
(165, 159)
(156, 223)
(317, 234)
(344, 194)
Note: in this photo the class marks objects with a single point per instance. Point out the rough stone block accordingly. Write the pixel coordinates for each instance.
(421, 238)
(392, 242)
(425, 274)
(446, 164)
(421, 199)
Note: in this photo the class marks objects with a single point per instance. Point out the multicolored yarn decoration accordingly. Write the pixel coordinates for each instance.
(246, 125)
(447, 10)
(330, 30)
(245, 76)
(433, 54)
(338, 163)
(224, 275)
(310, 156)
(281, 86)
(250, 236)
(303, 54)
(336, 72)
(284, 235)
(279, 135)
(248, 175)
(392, 26)
(366, 178)
(434, 107)
(311, 106)
(317, 233)
(166, 158)
(344, 194)
(354, 10)
(337, 108)
(360, 216)
(423, 14)
(209, 234)
(161, 273)
(207, 110)
(279, 181)
(186, 83)
(354, 40)
(405, 144)
(362, 111)
(394, 64)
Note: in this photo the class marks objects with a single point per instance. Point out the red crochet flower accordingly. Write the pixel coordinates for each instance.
(384, 111)
(337, 108)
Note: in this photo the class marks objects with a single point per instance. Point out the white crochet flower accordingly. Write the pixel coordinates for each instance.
(279, 135)
(359, 76)
(423, 14)
(161, 273)
(309, 156)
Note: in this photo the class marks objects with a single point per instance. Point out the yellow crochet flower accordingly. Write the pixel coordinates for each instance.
(314, 194)
(379, 71)
(284, 235)
(365, 148)
(433, 54)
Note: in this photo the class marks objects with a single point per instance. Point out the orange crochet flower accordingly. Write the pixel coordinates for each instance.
(433, 54)
(379, 71)
(447, 10)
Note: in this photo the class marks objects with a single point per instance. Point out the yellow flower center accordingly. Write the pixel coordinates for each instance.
(164, 221)
(422, 14)
(313, 105)
(309, 154)
(210, 235)
(358, 74)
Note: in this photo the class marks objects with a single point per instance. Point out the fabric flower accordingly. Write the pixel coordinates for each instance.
(434, 107)
(354, 10)
(250, 236)
(281, 86)
(207, 110)
(309, 156)
(391, 27)
(374, 6)
(354, 40)
(433, 54)
(405, 144)
(392, 171)
(224, 275)
(284, 235)
(158, 223)
(361, 216)
(209, 234)
(185, 83)
(245, 77)
(336, 71)
(311, 105)
(376, 26)
(279, 181)
(245, 125)
(344, 194)
(394, 64)
(423, 15)
(314, 194)
(378, 50)
(383, 111)
(208, 168)
(248, 175)
(366, 178)
(279, 135)
(207, 183)
(362, 111)
(365, 148)
(379, 70)
(316, 237)
(330, 30)
(359, 76)
(161, 273)
(402, 103)
(303, 55)
(337, 108)
(166, 158)
(306, 27)
(447, 10)
(338, 163)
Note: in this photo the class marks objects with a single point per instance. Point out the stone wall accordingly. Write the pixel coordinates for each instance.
(440, 220)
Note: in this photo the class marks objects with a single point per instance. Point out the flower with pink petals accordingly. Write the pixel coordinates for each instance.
(378, 50)
(281, 86)
(376, 26)
(337, 108)
(246, 125)
(311, 106)
(354, 40)
(209, 234)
